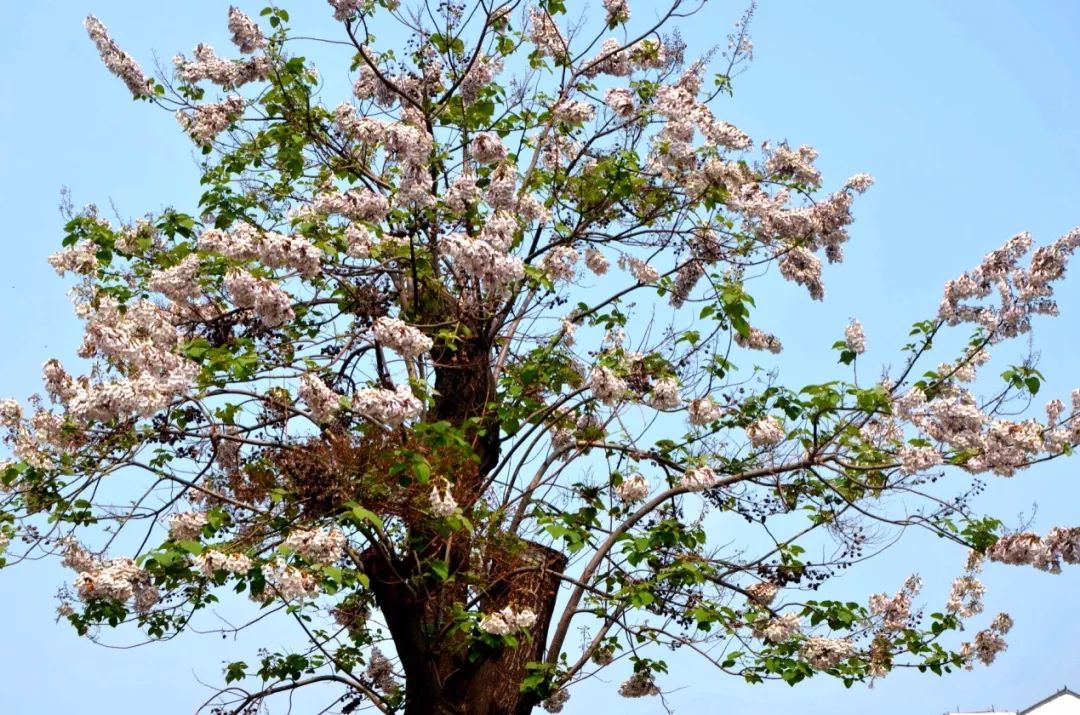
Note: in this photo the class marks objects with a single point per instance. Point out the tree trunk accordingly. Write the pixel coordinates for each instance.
(439, 678)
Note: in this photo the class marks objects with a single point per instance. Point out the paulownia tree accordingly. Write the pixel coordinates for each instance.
(454, 378)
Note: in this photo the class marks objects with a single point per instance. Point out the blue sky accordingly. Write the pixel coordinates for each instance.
(963, 111)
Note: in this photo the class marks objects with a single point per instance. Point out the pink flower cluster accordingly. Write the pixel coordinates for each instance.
(225, 73)
(274, 250)
(117, 61)
(320, 399)
(209, 120)
(1045, 554)
(400, 337)
(323, 546)
(388, 407)
(272, 304)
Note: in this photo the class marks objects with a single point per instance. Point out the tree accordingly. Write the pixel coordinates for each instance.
(371, 389)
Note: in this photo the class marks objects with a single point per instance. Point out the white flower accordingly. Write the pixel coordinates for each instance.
(443, 504)
(697, 479)
(186, 526)
(633, 488)
(666, 394)
(401, 337)
(766, 432)
(704, 411)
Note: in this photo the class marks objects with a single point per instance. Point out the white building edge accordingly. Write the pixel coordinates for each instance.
(1063, 702)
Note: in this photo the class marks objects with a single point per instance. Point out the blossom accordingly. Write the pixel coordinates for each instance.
(442, 504)
(289, 582)
(401, 337)
(804, 268)
(555, 702)
(220, 71)
(389, 407)
(703, 411)
(210, 561)
(825, 653)
(758, 340)
(697, 479)
(179, 283)
(918, 459)
(762, 593)
(666, 394)
(321, 400)
(117, 61)
(621, 101)
(618, 11)
(639, 685)
(208, 120)
(559, 263)
(246, 35)
(272, 304)
(487, 148)
(965, 597)
(595, 261)
(323, 546)
(859, 183)
(854, 337)
(633, 488)
(380, 671)
(463, 192)
(117, 580)
(479, 259)
(765, 432)
(778, 630)
(186, 526)
(545, 34)
(573, 111)
(80, 258)
(606, 386)
(640, 270)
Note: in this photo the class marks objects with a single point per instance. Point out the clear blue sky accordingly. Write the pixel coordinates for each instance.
(965, 112)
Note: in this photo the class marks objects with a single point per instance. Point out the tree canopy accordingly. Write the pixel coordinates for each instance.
(457, 377)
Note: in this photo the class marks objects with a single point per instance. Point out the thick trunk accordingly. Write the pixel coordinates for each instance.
(440, 680)
(496, 688)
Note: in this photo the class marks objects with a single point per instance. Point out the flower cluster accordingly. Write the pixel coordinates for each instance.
(854, 337)
(273, 306)
(140, 341)
(559, 263)
(704, 411)
(323, 546)
(895, 612)
(320, 399)
(274, 250)
(1045, 554)
(389, 407)
(665, 394)
(639, 685)
(698, 479)
(211, 561)
(353, 204)
(288, 582)
(477, 258)
(762, 593)
(965, 597)
(118, 580)
(487, 148)
(179, 283)
(225, 73)
(400, 337)
(246, 35)
(606, 386)
(596, 262)
(442, 503)
(824, 653)
(186, 526)
(209, 120)
(758, 340)
(634, 487)
(507, 621)
(765, 432)
(779, 630)
(545, 34)
(117, 61)
(555, 702)
(380, 672)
